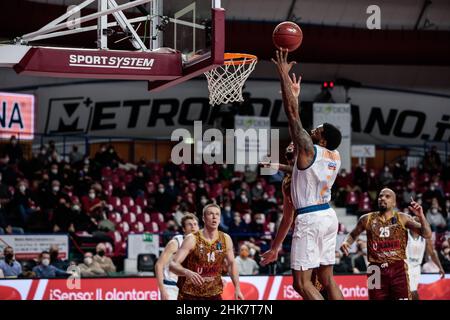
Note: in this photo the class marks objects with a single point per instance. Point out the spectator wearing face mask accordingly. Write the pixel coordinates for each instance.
(170, 232)
(243, 202)
(226, 218)
(46, 271)
(103, 261)
(162, 199)
(257, 192)
(9, 266)
(23, 205)
(90, 268)
(54, 173)
(14, 151)
(92, 205)
(435, 217)
(247, 266)
(360, 259)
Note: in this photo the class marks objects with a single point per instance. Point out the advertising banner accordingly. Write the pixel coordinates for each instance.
(354, 287)
(30, 246)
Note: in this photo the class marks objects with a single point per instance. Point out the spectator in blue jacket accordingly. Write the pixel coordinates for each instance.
(47, 271)
(10, 267)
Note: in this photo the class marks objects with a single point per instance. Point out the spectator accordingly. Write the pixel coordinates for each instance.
(226, 217)
(9, 266)
(162, 199)
(55, 260)
(23, 205)
(435, 217)
(409, 193)
(386, 177)
(247, 266)
(444, 255)
(432, 161)
(45, 270)
(103, 261)
(93, 206)
(360, 259)
(90, 268)
(14, 151)
(75, 157)
(342, 264)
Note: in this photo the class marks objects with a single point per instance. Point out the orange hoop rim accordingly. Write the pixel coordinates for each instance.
(235, 59)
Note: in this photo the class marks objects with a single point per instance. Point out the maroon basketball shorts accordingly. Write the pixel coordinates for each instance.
(185, 296)
(393, 284)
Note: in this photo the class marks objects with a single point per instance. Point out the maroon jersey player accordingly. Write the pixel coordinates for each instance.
(387, 238)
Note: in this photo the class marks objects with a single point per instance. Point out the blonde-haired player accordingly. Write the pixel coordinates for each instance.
(167, 281)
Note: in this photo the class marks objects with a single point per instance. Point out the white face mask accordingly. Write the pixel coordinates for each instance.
(434, 211)
(46, 262)
(55, 171)
(92, 195)
(22, 188)
(252, 251)
(87, 260)
(161, 190)
(227, 208)
(76, 207)
(55, 188)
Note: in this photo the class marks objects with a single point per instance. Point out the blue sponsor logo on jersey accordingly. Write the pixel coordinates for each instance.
(332, 165)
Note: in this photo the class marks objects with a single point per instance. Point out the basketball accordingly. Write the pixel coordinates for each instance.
(287, 35)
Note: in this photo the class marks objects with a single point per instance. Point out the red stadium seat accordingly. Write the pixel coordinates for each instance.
(130, 218)
(352, 198)
(128, 201)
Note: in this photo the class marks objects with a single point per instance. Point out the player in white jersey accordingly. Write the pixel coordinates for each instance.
(316, 165)
(167, 281)
(415, 250)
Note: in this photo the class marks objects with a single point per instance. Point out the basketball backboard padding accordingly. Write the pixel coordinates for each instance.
(100, 64)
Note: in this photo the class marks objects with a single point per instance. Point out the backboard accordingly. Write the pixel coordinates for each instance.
(180, 39)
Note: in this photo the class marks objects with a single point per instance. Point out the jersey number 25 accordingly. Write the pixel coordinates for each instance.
(384, 232)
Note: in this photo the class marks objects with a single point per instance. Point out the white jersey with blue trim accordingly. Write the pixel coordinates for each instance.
(312, 186)
(168, 275)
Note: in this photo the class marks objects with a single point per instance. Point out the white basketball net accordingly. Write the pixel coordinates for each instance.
(225, 82)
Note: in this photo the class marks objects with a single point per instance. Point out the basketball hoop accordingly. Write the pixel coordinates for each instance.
(225, 82)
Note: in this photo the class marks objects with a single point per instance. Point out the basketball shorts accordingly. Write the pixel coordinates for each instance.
(414, 273)
(185, 296)
(172, 291)
(393, 284)
(314, 239)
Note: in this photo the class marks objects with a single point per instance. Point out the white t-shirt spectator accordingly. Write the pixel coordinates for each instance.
(247, 266)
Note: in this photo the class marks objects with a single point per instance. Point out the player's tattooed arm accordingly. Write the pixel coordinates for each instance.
(352, 236)
(299, 135)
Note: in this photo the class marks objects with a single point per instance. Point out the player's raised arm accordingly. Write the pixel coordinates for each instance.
(233, 268)
(354, 234)
(422, 227)
(176, 267)
(299, 135)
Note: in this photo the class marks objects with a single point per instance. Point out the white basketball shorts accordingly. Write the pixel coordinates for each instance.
(314, 239)
(414, 277)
